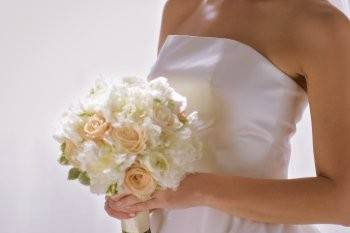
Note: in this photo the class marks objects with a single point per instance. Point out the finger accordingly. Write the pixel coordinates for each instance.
(117, 214)
(112, 206)
(147, 205)
(125, 201)
(117, 206)
(118, 196)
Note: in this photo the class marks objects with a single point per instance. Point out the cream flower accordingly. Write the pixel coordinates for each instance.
(156, 162)
(132, 139)
(69, 128)
(162, 90)
(139, 181)
(70, 153)
(96, 127)
(163, 115)
(163, 169)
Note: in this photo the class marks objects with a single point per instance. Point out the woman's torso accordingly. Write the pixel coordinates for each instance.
(249, 108)
(249, 103)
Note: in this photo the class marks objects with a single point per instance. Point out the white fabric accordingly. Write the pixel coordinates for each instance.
(251, 109)
(342, 5)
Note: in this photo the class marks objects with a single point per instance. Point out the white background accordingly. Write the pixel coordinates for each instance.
(50, 52)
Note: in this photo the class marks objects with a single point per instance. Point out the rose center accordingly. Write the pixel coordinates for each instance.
(139, 180)
(130, 134)
(96, 124)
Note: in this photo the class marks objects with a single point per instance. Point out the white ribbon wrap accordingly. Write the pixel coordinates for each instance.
(139, 224)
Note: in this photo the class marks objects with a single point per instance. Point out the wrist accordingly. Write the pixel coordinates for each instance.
(202, 194)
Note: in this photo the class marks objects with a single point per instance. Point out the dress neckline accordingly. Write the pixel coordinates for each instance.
(244, 45)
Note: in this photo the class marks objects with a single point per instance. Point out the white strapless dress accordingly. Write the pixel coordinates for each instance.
(250, 108)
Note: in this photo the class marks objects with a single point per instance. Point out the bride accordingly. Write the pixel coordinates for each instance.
(251, 68)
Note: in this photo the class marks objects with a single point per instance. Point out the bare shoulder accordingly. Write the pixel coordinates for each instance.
(177, 6)
(320, 16)
(313, 21)
(174, 12)
(321, 29)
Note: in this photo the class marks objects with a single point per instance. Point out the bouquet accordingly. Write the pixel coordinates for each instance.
(130, 135)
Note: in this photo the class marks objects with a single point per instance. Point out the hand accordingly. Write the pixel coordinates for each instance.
(118, 206)
(188, 194)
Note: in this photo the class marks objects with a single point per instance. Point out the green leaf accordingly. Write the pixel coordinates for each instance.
(63, 147)
(84, 178)
(92, 91)
(86, 114)
(171, 104)
(139, 113)
(157, 100)
(112, 190)
(183, 119)
(117, 169)
(73, 173)
(161, 164)
(63, 160)
(157, 103)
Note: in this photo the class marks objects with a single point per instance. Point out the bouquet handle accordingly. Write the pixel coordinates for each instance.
(138, 224)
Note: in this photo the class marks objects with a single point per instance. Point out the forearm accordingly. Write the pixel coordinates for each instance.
(293, 201)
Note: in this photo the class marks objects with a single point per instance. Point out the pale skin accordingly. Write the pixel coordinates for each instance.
(309, 41)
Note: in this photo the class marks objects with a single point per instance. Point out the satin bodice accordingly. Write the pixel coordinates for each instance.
(249, 105)
(249, 108)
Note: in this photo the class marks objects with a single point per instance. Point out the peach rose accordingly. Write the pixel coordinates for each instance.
(95, 127)
(139, 181)
(132, 139)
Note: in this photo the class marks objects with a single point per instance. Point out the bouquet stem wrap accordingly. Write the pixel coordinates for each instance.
(139, 224)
